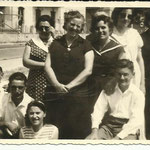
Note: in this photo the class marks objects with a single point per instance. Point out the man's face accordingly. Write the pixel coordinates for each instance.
(124, 76)
(17, 88)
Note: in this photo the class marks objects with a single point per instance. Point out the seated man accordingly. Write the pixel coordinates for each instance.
(13, 106)
(125, 108)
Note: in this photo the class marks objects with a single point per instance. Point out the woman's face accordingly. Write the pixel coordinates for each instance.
(102, 30)
(44, 29)
(125, 18)
(74, 26)
(36, 116)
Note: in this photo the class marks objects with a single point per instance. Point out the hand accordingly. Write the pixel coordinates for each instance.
(12, 127)
(68, 86)
(93, 135)
(116, 138)
(61, 89)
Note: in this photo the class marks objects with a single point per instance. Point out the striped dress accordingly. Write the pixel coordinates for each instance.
(46, 132)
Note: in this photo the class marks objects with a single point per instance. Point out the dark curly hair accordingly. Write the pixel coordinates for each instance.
(16, 76)
(96, 19)
(71, 15)
(39, 104)
(44, 18)
(116, 12)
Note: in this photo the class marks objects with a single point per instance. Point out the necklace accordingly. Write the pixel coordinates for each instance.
(69, 43)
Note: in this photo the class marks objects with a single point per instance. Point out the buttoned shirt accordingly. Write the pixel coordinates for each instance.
(12, 113)
(127, 105)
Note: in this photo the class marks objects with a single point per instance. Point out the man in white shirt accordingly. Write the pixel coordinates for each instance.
(125, 107)
(13, 106)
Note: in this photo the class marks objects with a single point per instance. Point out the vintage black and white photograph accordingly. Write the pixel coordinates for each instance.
(74, 72)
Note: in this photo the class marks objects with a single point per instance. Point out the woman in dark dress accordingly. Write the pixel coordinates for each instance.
(34, 58)
(107, 51)
(146, 57)
(68, 65)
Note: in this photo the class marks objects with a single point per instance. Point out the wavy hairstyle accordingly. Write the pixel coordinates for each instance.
(106, 19)
(71, 15)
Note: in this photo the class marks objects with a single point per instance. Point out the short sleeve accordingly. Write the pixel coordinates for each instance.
(138, 39)
(28, 43)
(87, 46)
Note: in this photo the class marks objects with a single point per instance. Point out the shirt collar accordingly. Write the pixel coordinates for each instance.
(130, 89)
(23, 102)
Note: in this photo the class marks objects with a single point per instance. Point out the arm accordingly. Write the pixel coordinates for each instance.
(88, 66)
(142, 69)
(60, 88)
(56, 133)
(100, 108)
(29, 63)
(136, 120)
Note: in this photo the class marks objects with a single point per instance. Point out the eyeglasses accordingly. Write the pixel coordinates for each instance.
(124, 15)
(46, 28)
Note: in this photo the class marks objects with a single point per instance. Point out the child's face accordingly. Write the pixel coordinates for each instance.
(124, 76)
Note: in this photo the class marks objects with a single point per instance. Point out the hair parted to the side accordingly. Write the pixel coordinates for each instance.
(71, 15)
(116, 12)
(125, 63)
(16, 76)
(38, 104)
(96, 19)
(44, 18)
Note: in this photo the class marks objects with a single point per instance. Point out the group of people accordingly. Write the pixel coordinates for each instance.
(78, 88)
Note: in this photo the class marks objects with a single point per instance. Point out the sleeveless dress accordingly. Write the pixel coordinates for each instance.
(103, 69)
(37, 81)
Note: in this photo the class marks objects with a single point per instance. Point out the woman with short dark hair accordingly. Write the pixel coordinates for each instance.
(34, 57)
(131, 41)
(35, 126)
(107, 51)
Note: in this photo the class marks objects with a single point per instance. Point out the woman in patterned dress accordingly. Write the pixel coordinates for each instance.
(35, 127)
(107, 51)
(34, 58)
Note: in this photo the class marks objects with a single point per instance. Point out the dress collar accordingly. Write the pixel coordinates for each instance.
(37, 41)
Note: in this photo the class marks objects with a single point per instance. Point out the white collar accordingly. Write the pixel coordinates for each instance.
(23, 102)
(130, 89)
(37, 41)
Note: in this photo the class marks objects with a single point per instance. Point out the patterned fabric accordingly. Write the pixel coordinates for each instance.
(46, 132)
(37, 78)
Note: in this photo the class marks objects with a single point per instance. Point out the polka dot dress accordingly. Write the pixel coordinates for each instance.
(37, 81)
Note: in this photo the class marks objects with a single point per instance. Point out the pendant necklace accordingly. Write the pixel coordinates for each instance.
(69, 44)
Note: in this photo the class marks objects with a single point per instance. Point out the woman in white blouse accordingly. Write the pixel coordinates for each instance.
(131, 41)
